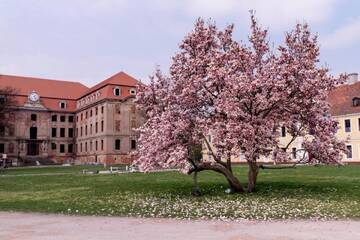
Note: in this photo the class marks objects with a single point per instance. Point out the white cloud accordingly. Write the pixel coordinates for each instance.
(277, 14)
(345, 36)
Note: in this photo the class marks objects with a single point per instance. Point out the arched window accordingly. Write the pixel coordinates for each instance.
(117, 91)
(62, 104)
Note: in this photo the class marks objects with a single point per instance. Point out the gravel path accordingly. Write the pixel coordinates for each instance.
(26, 226)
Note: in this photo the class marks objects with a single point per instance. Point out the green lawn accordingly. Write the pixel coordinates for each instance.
(304, 192)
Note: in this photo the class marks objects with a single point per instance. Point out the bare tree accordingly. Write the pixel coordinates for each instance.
(7, 100)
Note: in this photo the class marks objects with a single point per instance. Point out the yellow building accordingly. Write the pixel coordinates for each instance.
(344, 107)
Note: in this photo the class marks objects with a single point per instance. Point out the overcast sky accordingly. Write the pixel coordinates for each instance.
(90, 40)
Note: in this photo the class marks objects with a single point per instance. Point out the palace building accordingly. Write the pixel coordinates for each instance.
(66, 122)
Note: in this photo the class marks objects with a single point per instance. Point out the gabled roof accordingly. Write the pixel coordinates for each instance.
(44, 87)
(121, 79)
(340, 99)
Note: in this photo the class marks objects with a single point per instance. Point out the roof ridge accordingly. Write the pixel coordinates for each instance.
(41, 78)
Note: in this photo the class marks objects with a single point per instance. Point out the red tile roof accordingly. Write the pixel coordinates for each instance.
(121, 79)
(340, 99)
(52, 91)
(44, 87)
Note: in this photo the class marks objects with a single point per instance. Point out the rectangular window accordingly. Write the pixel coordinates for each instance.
(33, 117)
(2, 130)
(53, 146)
(133, 123)
(102, 109)
(294, 153)
(62, 132)
(347, 125)
(86, 130)
(117, 125)
(11, 148)
(102, 126)
(133, 144)
(62, 148)
(91, 146)
(283, 131)
(96, 145)
(62, 118)
(117, 144)
(71, 132)
(80, 147)
(53, 132)
(91, 129)
(86, 114)
(81, 131)
(85, 146)
(70, 148)
(349, 151)
(96, 111)
(2, 147)
(96, 127)
(91, 113)
(11, 130)
(102, 145)
(71, 119)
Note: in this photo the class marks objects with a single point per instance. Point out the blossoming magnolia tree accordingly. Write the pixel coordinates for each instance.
(242, 95)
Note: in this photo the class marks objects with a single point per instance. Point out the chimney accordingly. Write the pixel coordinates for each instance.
(352, 78)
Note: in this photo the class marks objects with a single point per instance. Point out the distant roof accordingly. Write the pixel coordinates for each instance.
(340, 99)
(44, 87)
(120, 78)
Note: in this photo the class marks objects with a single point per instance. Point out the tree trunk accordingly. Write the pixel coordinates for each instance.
(252, 176)
(197, 191)
(234, 183)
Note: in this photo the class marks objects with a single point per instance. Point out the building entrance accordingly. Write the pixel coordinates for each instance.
(33, 146)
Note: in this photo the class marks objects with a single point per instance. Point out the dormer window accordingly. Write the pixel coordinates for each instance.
(132, 91)
(117, 91)
(62, 104)
(356, 102)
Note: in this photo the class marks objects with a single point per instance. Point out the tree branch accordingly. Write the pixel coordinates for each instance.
(212, 152)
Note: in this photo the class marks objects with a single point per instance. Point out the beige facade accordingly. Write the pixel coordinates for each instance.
(105, 132)
(350, 132)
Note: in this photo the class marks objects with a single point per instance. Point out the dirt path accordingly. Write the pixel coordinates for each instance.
(59, 227)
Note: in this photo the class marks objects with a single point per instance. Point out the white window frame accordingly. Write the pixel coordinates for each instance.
(345, 125)
(132, 91)
(351, 152)
(117, 88)
(62, 102)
